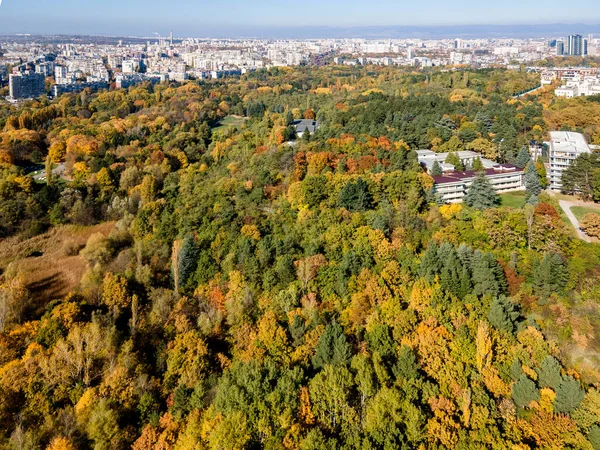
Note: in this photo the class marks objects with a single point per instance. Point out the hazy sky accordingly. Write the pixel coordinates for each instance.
(201, 17)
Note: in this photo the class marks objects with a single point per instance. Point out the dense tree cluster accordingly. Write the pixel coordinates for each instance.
(257, 291)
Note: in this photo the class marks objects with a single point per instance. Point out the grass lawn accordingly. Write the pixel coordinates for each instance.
(513, 199)
(581, 211)
(232, 121)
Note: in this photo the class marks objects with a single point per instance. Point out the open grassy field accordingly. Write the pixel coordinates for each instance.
(50, 262)
(513, 199)
(581, 211)
(232, 121)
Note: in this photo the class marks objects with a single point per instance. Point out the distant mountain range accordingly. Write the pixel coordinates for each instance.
(366, 32)
(426, 32)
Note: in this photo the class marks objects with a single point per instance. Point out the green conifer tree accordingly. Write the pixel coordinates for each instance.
(532, 181)
(436, 169)
(481, 195)
(523, 158)
(549, 373)
(524, 392)
(569, 394)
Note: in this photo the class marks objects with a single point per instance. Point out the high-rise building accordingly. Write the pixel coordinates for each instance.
(560, 48)
(585, 47)
(565, 147)
(575, 45)
(26, 85)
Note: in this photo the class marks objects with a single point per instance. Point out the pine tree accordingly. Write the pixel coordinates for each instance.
(453, 159)
(532, 181)
(332, 348)
(488, 277)
(187, 261)
(502, 314)
(523, 158)
(355, 196)
(481, 195)
(430, 264)
(569, 394)
(524, 392)
(450, 275)
(478, 165)
(549, 373)
(436, 169)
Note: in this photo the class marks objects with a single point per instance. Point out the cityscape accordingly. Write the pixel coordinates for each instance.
(125, 62)
(301, 226)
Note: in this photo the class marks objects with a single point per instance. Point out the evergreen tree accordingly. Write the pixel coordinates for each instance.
(579, 176)
(453, 159)
(542, 174)
(436, 169)
(550, 274)
(532, 181)
(188, 260)
(481, 195)
(549, 373)
(524, 392)
(450, 275)
(430, 264)
(355, 196)
(594, 436)
(488, 277)
(332, 348)
(503, 315)
(569, 394)
(516, 369)
(478, 165)
(523, 158)
(289, 118)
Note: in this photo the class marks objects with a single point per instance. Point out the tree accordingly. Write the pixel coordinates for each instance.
(579, 175)
(355, 196)
(478, 165)
(436, 169)
(332, 348)
(532, 181)
(453, 159)
(549, 274)
(503, 314)
(481, 194)
(542, 174)
(591, 225)
(187, 261)
(485, 148)
(549, 373)
(523, 158)
(569, 394)
(524, 392)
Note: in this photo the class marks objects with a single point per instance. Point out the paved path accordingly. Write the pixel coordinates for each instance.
(59, 171)
(566, 206)
(528, 92)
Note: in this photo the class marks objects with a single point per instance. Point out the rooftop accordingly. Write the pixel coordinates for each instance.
(455, 177)
(568, 141)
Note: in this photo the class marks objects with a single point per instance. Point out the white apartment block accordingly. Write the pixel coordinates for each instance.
(565, 147)
(452, 187)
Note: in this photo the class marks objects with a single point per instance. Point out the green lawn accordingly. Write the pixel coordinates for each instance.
(232, 121)
(513, 199)
(581, 211)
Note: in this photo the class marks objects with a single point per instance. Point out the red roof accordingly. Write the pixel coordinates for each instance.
(455, 177)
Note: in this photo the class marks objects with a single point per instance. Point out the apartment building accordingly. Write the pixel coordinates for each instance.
(565, 147)
(26, 85)
(452, 187)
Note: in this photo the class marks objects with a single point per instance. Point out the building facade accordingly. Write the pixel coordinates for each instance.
(565, 147)
(26, 85)
(452, 187)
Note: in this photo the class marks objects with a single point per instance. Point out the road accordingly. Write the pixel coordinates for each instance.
(566, 206)
(528, 92)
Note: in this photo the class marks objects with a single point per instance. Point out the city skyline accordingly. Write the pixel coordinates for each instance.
(264, 18)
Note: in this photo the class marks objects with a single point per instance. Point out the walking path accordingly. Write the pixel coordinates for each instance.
(566, 206)
(528, 92)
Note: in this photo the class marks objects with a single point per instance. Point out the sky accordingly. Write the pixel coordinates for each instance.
(241, 17)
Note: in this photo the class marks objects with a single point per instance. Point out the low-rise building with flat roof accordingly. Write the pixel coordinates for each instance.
(452, 187)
